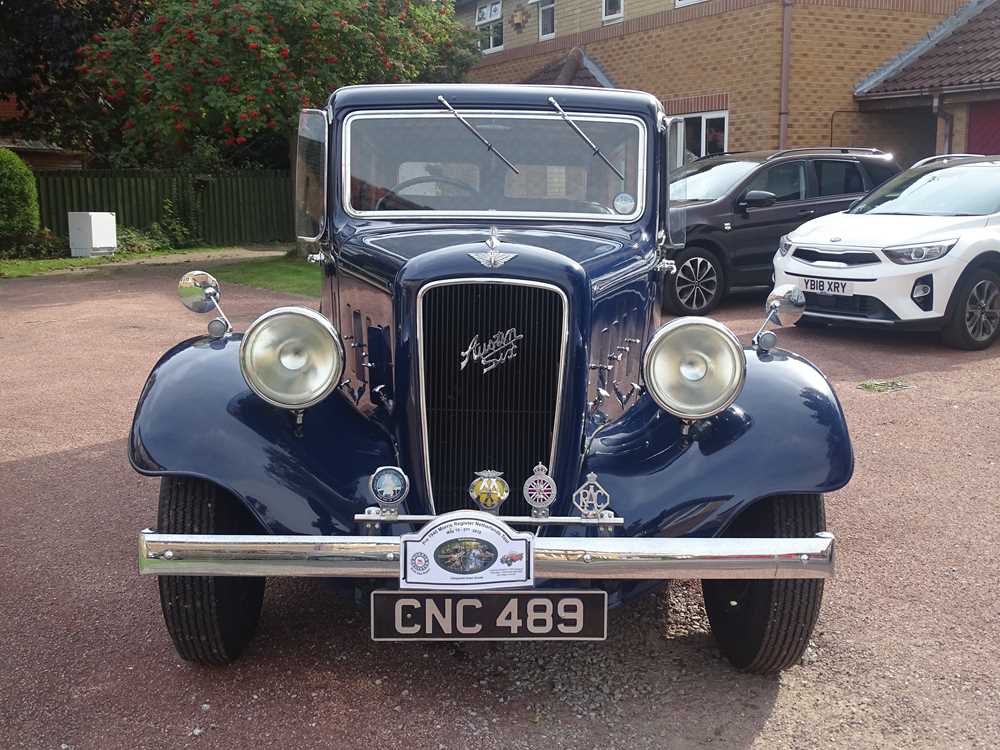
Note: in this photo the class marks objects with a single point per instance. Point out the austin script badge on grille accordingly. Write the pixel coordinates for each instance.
(492, 353)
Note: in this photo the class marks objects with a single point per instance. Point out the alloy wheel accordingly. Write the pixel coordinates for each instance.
(696, 282)
(982, 310)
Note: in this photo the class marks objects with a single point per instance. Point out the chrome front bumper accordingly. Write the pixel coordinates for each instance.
(555, 557)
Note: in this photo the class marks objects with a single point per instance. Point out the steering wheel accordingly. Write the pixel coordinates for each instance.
(394, 190)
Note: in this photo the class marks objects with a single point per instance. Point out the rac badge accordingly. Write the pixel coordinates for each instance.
(591, 498)
(489, 490)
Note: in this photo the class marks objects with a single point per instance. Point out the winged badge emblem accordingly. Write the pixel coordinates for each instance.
(493, 258)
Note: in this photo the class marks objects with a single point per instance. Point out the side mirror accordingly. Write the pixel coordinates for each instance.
(758, 199)
(199, 291)
(784, 307)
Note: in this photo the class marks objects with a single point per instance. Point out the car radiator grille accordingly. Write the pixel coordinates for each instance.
(475, 418)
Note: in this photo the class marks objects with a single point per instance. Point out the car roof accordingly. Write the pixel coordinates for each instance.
(495, 96)
(762, 156)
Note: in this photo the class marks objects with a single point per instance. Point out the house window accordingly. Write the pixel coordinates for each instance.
(705, 133)
(546, 19)
(682, 3)
(612, 10)
(489, 23)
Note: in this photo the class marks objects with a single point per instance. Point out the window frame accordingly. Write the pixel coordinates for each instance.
(619, 16)
(488, 23)
(643, 171)
(709, 115)
(543, 5)
(682, 3)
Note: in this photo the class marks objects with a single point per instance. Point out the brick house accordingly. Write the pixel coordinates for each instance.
(745, 74)
(954, 73)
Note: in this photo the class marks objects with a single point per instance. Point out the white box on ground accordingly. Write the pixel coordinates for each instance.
(92, 233)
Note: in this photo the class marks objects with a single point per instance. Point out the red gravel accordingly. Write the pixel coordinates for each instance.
(905, 653)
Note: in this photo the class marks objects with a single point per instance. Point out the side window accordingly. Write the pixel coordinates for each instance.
(838, 177)
(784, 180)
(612, 10)
(879, 173)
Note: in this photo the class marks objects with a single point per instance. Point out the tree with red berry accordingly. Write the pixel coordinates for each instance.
(231, 75)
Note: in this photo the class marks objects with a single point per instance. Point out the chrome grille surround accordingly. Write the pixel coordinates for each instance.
(515, 500)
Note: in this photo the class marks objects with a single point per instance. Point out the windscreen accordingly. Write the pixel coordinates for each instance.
(967, 190)
(405, 164)
(709, 179)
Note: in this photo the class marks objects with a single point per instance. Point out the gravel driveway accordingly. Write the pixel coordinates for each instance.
(905, 653)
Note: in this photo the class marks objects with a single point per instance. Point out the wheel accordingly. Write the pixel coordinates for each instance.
(975, 318)
(210, 618)
(698, 285)
(763, 626)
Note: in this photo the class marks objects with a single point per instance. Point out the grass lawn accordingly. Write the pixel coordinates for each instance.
(13, 269)
(289, 274)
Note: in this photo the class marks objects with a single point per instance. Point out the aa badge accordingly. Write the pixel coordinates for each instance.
(489, 490)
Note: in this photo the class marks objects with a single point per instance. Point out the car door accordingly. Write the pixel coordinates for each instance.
(756, 231)
(832, 185)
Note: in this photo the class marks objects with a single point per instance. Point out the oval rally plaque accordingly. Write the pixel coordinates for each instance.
(466, 549)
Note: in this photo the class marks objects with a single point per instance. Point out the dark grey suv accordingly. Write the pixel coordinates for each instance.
(739, 204)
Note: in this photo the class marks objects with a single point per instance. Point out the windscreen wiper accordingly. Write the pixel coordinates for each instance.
(489, 146)
(594, 146)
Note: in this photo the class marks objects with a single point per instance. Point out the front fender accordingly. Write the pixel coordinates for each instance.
(197, 417)
(786, 433)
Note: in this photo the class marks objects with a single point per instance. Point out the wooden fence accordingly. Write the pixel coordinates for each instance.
(235, 207)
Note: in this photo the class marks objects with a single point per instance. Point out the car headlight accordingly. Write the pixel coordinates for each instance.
(292, 357)
(694, 367)
(784, 245)
(906, 254)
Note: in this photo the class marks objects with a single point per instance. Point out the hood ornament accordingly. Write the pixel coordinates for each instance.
(492, 259)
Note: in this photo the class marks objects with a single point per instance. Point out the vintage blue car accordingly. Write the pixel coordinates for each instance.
(487, 424)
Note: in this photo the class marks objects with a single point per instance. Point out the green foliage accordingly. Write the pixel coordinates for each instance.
(171, 227)
(234, 76)
(42, 244)
(18, 197)
(132, 241)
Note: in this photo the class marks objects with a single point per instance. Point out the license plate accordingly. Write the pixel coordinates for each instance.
(489, 615)
(828, 286)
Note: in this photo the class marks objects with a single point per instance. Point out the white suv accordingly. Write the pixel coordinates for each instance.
(921, 252)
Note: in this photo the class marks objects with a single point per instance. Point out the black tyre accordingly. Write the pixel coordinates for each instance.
(699, 284)
(764, 626)
(975, 317)
(210, 618)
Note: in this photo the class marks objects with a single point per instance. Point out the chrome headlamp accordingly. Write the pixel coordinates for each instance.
(292, 357)
(694, 367)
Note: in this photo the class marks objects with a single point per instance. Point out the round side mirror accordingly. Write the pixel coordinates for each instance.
(785, 304)
(199, 291)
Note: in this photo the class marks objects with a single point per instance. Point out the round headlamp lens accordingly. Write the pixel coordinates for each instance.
(694, 367)
(292, 357)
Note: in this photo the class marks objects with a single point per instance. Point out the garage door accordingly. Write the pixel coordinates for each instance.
(984, 128)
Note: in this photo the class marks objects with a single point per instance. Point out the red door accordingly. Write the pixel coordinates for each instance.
(984, 128)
